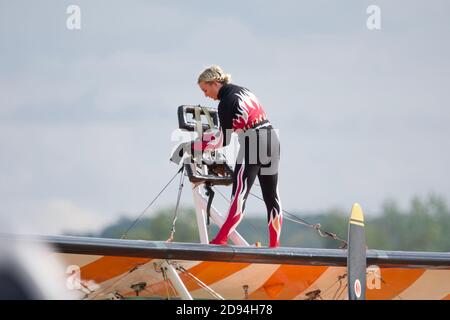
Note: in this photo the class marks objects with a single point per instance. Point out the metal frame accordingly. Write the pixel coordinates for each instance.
(183, 122)
(201, 202)
(176, 281)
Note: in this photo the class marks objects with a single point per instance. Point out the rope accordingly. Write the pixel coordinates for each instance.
(342, 291)
(316, 226)
(180, 189)
(102, 290)
(163, 271)
(151, 203)
(201, 283)
(340, 278)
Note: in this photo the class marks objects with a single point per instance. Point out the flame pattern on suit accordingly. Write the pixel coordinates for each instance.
(251, 112)
(275, 223)
(236, 211)
(240, 110)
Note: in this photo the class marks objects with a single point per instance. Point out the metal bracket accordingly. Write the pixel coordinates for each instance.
(175, 279)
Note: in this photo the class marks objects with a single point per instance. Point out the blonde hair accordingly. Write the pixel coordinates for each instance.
(214, 73)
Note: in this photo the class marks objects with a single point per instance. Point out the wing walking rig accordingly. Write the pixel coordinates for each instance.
(121, 269)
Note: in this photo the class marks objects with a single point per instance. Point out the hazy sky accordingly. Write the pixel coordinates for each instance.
(86, 116)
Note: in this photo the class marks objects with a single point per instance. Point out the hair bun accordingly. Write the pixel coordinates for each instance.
(214, 73)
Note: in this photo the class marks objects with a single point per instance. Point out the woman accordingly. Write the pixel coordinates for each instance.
(240, 112)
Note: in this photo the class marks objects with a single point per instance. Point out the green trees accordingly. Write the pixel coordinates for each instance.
(423, 226)
(157, 227)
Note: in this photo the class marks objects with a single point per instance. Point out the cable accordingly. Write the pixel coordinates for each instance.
(180, 189)
(294, 218)
(340, 278)
(142, 213)
(199, 282)
(166, 280)
(96, 293)
(317, 226)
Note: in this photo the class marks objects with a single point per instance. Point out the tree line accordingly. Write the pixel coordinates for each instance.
(422, 226)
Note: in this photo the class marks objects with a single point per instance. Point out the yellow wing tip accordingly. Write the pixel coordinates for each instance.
(357, 213)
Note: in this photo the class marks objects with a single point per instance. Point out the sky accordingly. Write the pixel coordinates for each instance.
(87, 117)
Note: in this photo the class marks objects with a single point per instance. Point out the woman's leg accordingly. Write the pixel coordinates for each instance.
(244, 176)
(268, 178)
(269, 188)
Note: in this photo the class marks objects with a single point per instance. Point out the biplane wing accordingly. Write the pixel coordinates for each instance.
(113, 268)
